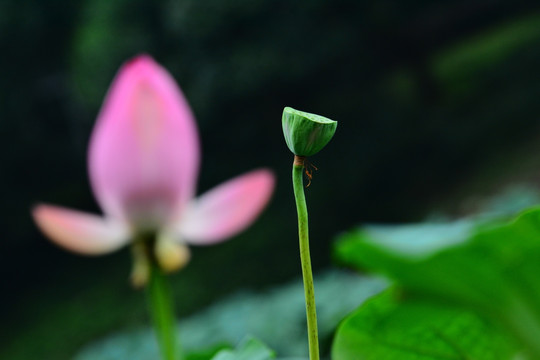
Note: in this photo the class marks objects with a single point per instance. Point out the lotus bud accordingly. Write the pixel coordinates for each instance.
(143, 162)
(306, 134)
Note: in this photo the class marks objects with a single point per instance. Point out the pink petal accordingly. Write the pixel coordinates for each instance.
(227, 209)
(144, 151)
(80, 232)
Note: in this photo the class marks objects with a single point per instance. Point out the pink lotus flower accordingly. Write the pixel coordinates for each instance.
(143, 163)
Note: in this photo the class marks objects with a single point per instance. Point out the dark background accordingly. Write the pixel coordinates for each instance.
(438, 103)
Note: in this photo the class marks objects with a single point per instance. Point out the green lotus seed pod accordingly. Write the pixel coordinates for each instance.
(306, 134)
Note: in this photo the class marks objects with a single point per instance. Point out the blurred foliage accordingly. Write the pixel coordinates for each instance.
(390, 326)
(249, 349)
(206, 354)
(426, 93)
(488, 269)
(276, 316)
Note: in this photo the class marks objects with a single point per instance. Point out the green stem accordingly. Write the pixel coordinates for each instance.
(162, 312)
(303, 235)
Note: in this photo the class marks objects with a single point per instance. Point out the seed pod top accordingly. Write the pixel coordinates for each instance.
(306, 134)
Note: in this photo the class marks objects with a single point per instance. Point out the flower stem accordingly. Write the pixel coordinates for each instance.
(162, 312)
(303, 235)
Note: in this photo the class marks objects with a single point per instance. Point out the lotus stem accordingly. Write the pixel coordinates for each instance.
(161, 306)
(303, 235)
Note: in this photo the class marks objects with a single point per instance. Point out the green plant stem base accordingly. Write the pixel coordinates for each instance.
(162, 312)
(303, 234)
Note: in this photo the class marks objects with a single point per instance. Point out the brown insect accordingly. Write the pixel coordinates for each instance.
(308, 169)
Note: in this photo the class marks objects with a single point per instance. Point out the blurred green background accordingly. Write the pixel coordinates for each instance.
(438, 104)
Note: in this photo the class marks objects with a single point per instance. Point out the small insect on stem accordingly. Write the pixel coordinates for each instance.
(308, 169)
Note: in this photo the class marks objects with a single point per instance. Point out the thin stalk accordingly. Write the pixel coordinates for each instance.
(303, 235)
(162, 312)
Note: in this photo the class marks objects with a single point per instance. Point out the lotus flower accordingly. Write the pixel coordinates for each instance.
(143, 162)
